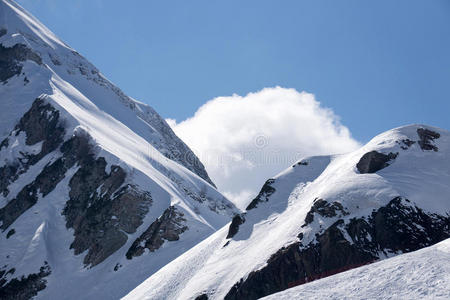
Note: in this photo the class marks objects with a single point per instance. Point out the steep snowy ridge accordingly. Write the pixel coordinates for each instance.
(61, 64)
(322, 216)
(94, 186)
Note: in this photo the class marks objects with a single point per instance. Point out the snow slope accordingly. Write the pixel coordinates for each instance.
(423, 274)
(45, 80)
(319, 217)
(66, 70)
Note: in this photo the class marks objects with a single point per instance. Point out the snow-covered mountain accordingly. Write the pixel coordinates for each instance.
(322, 216)
(96, 191)
(422, 274)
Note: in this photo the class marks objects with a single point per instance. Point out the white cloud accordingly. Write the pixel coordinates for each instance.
(243, 141)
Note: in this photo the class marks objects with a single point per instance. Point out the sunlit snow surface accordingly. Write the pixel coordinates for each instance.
(421, 176)
(127, 133)
(423, 274)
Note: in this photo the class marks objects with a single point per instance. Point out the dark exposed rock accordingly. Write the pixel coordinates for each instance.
(266, 191)
(405, 143)
(301, 163)
(11, 58)
(263, 195)
(10, 233)
(374, 161)
(202, 297)
(324, 209)
(3, 31)
(426, 139)
(402, 227)
(41, 123)
(102, 208)
(395, 228)
(25, 287)
(4, 274)
(168, 227)
(4, 144)
(73, 150)
(234, 226)
(8, 174)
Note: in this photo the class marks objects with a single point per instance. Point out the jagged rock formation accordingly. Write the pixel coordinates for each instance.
(168, 227)
(426, 139)
(324, 209)
(398, 227)
(84, 173)
(25, 287)
(11, 58)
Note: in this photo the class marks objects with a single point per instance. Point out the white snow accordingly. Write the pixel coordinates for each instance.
(423, 274)
(421, 176)
(126, 133)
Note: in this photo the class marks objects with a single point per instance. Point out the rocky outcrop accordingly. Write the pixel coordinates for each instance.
(427, 137)
(25, 287)
(168, 227)
(266, 191)
(395, 228)
(101, 208)
(405, 144)
(324, 209)
(374, 161)
(237, 220)
(10, 233)
(11, 58)
(41, 123)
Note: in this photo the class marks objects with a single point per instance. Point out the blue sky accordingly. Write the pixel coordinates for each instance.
(377, 64)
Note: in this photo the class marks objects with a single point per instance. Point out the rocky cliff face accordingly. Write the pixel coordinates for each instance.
(94, 186)
(399, 227)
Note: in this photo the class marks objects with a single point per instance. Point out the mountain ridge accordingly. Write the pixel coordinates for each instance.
(321, 216)
(94, 186)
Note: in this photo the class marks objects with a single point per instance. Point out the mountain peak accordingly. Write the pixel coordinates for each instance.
(18, 21)
(95, 184)
(60, 63)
